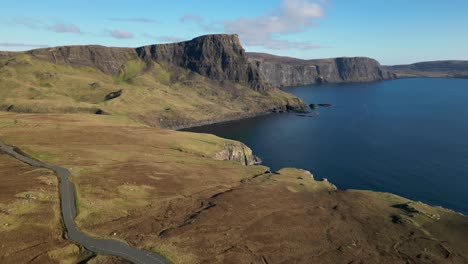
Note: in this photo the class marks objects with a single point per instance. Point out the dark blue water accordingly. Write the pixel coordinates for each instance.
(408, 137)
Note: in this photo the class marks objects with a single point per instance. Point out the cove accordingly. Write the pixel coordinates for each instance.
(407, 137)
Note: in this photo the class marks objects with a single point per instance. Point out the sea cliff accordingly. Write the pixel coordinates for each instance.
(286, 71)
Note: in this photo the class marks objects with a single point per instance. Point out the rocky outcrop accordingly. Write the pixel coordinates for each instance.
(113, 95)
(236, 151)
(297, 180)
(285, 71)
(6, 54)
(214, 66)
(218, 57)
(108, 60)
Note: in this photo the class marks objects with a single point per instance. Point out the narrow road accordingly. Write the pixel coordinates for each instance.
(68, 207)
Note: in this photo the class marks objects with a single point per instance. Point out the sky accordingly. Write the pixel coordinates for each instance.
(393, 32)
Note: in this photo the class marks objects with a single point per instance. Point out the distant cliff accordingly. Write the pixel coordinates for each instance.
(201, 81)
(286, 71)
(457, 69)
(107, 59)
(218, 57)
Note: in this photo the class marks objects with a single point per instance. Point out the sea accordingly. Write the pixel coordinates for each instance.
(405, 136)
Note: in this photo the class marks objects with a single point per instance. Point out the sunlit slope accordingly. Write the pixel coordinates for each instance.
(158, 95)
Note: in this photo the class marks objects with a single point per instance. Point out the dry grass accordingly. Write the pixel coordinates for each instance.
(30, 226)
(125, 172)
(161, 190)
(159, 96)
(297, 180)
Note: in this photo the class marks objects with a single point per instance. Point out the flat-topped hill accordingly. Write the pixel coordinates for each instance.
(199, 81)
(286, 71)
(449, 68)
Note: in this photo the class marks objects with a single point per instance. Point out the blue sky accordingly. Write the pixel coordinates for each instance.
(394, 32)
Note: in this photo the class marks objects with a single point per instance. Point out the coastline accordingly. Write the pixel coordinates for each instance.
(247, 194)
(217, 121)
(229, 119)
(253, 115)
(318, 178)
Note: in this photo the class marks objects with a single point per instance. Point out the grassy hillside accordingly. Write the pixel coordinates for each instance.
(175, 192)
(162, 190)
(158, 95)
(30, 224)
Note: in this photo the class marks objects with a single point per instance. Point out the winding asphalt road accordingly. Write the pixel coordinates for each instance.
(67, 202)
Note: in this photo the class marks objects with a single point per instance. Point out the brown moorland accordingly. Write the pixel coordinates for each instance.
(162, 190)
(30, 226)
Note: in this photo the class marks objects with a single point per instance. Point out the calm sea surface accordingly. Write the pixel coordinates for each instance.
(408, 137)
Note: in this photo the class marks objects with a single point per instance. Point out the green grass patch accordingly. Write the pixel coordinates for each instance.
(158, 95)
(130, 70)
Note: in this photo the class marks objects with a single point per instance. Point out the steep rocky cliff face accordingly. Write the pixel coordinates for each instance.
(204, 80)
(218, 57)
(285, 71)
(239, 152)
(108, 60)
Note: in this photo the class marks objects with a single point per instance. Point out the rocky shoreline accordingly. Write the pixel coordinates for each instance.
(184, 127)
(258, 160)
(285, 71)
(240, 116)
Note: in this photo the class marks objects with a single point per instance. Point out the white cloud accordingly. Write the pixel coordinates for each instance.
(28, 22)
(133, 19)
(191, 18)
(37, 24)
(170, 39)
(166, 39)
(121, 34)
(199, 21)
(291, 17)
(64, 28)
(21, 45)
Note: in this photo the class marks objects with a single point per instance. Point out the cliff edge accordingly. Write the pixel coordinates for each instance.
(441, 69)
(285, 71)
(219, 57)
(204, 80)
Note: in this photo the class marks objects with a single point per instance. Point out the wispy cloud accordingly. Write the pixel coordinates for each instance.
(21, 45)
(121, 34)
(28, 22)
(65, 28)
(41, 25)
(166, 38)
(187, 18)
(133, 19)
(171, 39)
(199, 21)
(291, 17)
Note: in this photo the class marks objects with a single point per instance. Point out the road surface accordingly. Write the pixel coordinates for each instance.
(68, 207)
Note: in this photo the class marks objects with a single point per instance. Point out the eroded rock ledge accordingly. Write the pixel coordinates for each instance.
(286, 71)
(237, 151)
